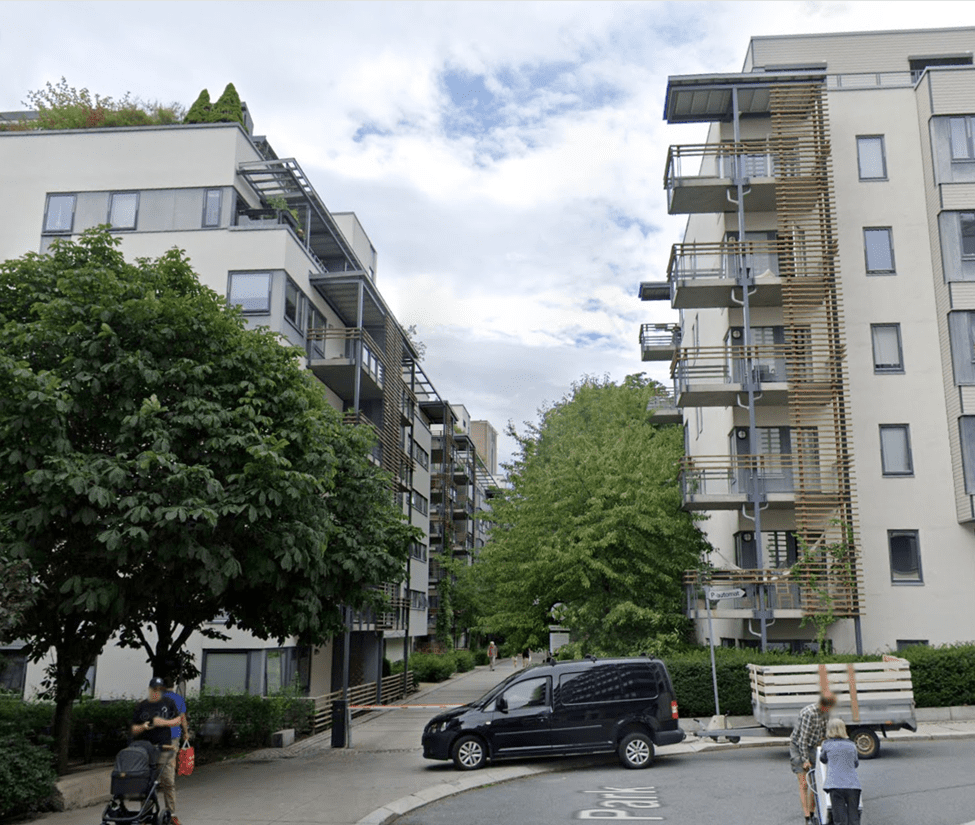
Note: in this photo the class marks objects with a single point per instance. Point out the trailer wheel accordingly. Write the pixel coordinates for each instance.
(867, 743)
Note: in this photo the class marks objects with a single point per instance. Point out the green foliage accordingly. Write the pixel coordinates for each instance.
(62, 106)
(432, 667)
(942, 676)
(465, 660)
(17, 593)
(227, 109)
(199, 112)
(481, 658)
(26, 775)
(219, 465)
(592, 523)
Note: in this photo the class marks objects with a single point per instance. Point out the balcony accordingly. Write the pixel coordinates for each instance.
(717, 376)
(783, 597)
(659, 342)
(713, 275)
(725, 482)
(702, 178)
(664, 409)
(333, 356)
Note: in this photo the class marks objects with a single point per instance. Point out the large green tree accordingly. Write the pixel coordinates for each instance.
(160, 463)
(590, 532)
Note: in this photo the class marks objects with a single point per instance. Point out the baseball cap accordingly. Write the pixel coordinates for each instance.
(157, 682)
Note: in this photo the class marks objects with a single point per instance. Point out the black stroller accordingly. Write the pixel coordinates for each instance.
(136, 779)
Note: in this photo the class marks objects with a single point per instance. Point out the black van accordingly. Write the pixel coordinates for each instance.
(589, 706)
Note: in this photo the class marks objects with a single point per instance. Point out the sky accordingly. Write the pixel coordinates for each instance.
(506, 159)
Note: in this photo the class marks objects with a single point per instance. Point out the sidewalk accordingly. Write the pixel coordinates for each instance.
(384, 773)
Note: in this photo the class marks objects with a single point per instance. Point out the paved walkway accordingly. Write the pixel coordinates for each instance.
(382, 774)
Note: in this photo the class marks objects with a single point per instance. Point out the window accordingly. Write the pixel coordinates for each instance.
(13, 670)
(59, 216)
(966, 426)
(887, 354)
(871, 160)
(599, 684)
(878, 246)
(905, 557)
(294, 304)
(212, 199)
(895, 450)
(961, 138)
(967, 222)
(420, 504)
(123, 210)
(903, 644)
(961, 332)
(316, 332)
(530, 693)
(251, 291)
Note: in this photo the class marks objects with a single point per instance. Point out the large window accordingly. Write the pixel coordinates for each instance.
(257, 672)
(878, 244)
(59, 215)
(294, 304)
(211, 207)
(962, 147)
(887, 353)
(870, 157)
(895, 450)
(967, 227)
(961, 332)
(966, 426)
(905, 557)
(316, 332)
(124, 210)
(251, 291)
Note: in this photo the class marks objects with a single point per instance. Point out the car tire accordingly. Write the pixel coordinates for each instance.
(469, 753)
(636, 751)
(867, 743)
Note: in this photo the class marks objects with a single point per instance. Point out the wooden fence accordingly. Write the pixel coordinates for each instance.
(367, 694)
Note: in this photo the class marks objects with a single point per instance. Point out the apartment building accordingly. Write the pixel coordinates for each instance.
(256, 231)
(824, 362)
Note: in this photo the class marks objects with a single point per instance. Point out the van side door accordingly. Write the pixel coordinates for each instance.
(586, 709)
(522, 720)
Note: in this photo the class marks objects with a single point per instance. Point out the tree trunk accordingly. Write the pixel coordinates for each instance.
(62, 731)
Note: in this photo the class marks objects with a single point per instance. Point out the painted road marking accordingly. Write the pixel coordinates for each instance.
(628, 804)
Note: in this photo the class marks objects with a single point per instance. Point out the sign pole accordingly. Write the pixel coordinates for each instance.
(714, 671)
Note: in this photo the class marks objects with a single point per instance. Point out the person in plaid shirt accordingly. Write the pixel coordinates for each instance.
(809, 732)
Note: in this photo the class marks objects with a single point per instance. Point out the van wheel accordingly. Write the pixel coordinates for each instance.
(867, 742)
(469, 754)
(636, 751)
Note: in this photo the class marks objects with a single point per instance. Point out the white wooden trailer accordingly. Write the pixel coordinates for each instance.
(870, 697)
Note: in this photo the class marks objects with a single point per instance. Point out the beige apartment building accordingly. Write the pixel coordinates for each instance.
(256, 231)
(824, 363)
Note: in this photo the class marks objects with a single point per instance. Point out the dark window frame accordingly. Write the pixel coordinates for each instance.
(883, 157)
(890, 246)
(135, 214)
(266, 310)
(206, 208)
(886, 369)
(906, 429)
(901, 580)
(47, 230)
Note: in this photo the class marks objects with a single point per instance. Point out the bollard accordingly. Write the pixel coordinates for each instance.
(340, 724)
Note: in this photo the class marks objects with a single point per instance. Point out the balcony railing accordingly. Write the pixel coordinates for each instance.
(782, 593)
(767, 158)
(693, 261)
(659, 342)
(726, 481)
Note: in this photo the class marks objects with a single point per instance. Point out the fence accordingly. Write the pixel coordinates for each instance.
(367, 694)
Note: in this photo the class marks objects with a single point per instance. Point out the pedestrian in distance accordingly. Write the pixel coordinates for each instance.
(808, 733)
(842, 783)
(492, 653)
(153, 721)
(179, 733)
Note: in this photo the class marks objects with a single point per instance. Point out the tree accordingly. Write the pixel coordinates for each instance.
(160, 462)
(199, 112)
(228, 108)
(592, 523)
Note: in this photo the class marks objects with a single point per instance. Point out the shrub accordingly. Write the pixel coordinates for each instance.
(248, 721)
(942, 676)
(432, 667)
(63, 107)
(481, 657)
(227, 109)
(199, 112)
(464, 660)
(27, 773)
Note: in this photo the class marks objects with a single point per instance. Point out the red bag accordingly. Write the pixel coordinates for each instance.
(185, 759)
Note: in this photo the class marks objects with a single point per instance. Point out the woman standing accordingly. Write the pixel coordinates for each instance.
(842, 783)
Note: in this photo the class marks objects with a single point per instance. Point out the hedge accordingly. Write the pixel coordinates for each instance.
(942, 676)
(433, 667)
(27, 773)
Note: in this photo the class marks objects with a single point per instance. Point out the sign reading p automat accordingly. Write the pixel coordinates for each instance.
(716, 594)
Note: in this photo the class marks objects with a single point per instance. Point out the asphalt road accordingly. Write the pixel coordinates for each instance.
(912, 783)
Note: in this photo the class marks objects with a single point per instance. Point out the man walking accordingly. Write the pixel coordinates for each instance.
(809, 732)
(492, 653)
(153, 720)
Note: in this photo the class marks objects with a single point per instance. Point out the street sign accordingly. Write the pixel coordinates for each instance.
(716, 594)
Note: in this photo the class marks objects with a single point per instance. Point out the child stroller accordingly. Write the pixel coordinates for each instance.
(136, 779)
(824, 805)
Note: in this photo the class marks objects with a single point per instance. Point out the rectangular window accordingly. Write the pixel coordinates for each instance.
(212, 199)
(294, 304)
(966, 426)
(251, 291)
(903, 644)
(887, 354)
(895, 450)
(878, 243)
(59, 216)
(316, 332)
(961, 138)
(967, 222)
(905, 557)
(123, 210)
(870, 157)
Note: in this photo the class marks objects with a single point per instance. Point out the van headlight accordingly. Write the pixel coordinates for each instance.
(435, 726)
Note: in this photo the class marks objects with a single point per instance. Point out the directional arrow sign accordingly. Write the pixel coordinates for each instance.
(715, 594)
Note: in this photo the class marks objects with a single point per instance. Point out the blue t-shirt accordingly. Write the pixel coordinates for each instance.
(840, 756)
(180, 703)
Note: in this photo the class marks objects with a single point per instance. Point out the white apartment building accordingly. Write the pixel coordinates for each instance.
(256, 231)
(824, 364)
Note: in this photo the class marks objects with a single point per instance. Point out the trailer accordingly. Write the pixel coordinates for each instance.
(871, 697)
